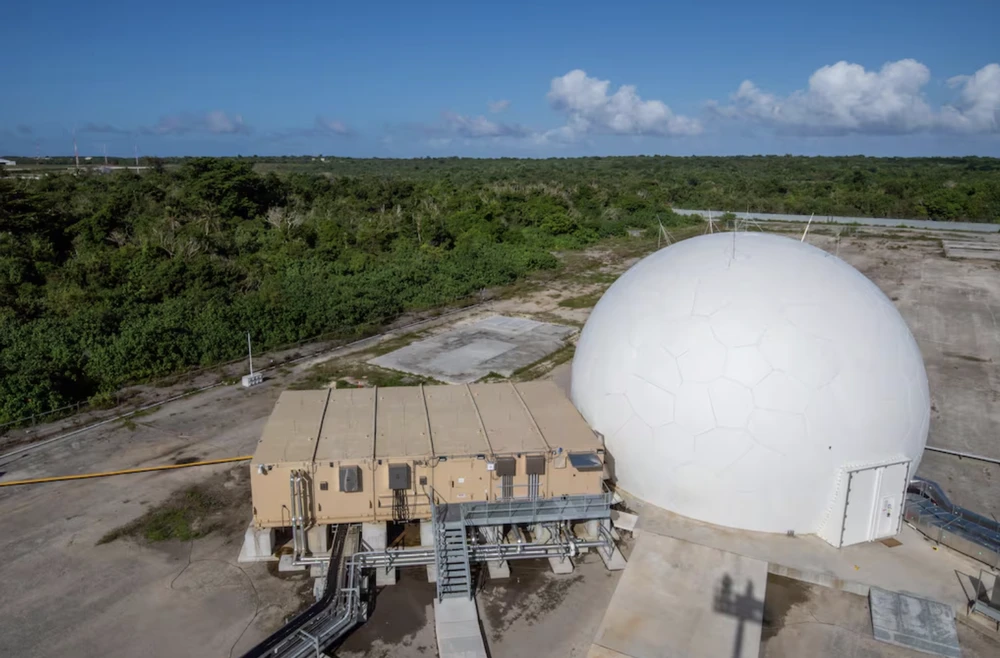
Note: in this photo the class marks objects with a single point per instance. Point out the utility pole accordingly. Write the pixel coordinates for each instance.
(253, 378)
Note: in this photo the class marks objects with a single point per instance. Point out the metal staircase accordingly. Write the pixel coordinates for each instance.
(451, 554)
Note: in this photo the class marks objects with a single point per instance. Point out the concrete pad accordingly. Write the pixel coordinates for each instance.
(376, 536)
(258, 545)
(286, 565)
(681, 599)
(982, 250)
(498, 569)
(318, 539)
(624, 520)
(427, 541)
(917, 565)
(913, 622)
(561, 565)
(470, 352)
(456, 622)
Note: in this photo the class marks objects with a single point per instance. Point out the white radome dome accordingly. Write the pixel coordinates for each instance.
(734, 375)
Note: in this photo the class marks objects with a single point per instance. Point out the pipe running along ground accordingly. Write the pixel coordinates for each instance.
(127, 471)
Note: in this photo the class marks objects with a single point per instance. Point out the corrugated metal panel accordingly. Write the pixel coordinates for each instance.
(561, 424)
(509, 427)
(349, 429)
(455, 428)
(293, 429)
(401, 425)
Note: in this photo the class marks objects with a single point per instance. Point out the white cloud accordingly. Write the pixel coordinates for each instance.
(216, 122)
(978, 108)
(331, 126)
(845, 98)
(498, 106)
(590, 110)
(478, 127)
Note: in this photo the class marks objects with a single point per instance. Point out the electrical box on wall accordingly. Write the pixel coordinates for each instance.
(350, 479)
(534, 465)
(506, 466)
(399, 476)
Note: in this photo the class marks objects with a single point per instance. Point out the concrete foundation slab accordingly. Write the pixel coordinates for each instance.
(978, 249)
(916, 565)
(624, 520)
(680, 599)
(561, 565)
(318, 539)
(456, 622)
(258, 545)
(375, 535)
(913, 622)
(285, 565)
(470, 352)
(427, 541)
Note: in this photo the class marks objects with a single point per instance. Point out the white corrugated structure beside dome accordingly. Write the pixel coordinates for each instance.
(736, 377)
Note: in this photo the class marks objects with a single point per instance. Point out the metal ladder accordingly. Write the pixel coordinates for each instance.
(451, 555)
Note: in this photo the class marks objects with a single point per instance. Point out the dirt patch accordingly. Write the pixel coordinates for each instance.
(398, 620)
(531, 593)
(185, 460)
(782, 595)
(194, 512)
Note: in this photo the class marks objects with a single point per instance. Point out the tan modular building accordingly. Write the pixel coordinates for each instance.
(384, 454)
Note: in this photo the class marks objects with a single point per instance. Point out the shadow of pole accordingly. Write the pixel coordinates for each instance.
(744, 606)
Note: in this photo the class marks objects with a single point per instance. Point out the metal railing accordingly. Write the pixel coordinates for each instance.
(537, 510)
(929, 510)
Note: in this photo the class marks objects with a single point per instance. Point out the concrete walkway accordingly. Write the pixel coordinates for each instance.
(916, 565)
(456, 622)
(681, 599)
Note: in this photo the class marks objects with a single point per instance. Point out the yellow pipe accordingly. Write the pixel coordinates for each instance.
(145, 469)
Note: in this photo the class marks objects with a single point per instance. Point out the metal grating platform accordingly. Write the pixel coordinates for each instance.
(915, 623)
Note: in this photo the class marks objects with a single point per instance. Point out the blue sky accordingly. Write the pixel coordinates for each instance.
(532, 79)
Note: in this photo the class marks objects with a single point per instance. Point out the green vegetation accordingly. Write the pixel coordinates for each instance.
(583, 301)
(352, 375)
(538, 368)
(187, 515)
(107, 280)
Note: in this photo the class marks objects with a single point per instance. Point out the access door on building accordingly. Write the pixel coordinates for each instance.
(874, 503)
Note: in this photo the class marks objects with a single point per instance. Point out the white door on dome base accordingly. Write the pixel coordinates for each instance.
(873, 505)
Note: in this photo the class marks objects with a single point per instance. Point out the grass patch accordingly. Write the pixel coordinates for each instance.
(583, 301)
(344, 374)
(192, 512)
(538, 368)
(394, 344)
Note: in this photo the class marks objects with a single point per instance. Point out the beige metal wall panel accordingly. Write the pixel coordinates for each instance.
(559, 421)
(509, 427)
(455, 427)
(416, 504)
(292, 430)
(271, 495)
(461, 480)
(335, 506)
(349, 428)
(566, 480)
(401, 426)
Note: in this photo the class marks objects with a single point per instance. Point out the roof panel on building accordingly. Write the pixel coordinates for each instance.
(348, 430)
(350, 424)
(293, 429)
(509, 427)
(401, 425)
(560, 422)
(455, 428)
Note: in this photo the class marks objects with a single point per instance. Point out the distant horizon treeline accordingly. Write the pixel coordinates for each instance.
(111, 279)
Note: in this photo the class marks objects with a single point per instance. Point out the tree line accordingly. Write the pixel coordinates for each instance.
(111, 279)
